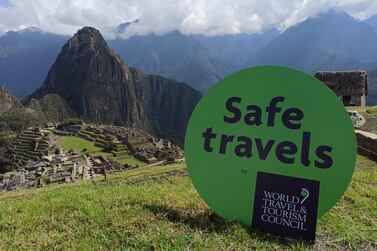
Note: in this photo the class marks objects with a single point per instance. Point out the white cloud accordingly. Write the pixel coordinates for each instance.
(210, 17)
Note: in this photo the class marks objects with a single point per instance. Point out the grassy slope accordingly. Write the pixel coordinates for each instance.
(78, 144)
(159, 208)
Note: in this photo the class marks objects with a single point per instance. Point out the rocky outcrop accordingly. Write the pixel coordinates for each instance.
(19, 179)
(50, 107)
(7, 101)
(100, 87)
(357, 119)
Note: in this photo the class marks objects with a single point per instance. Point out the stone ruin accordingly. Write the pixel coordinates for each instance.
(29, 146)
(367, 144)
(366, 141)
(350, 86)
(101, 165)
(39, 161)
(127, 141)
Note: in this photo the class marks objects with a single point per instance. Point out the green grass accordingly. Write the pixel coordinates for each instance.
(79, 144)
(372, 110)
(129, 160)
(158, 208)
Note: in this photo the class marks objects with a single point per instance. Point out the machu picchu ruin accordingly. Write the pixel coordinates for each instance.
(38, 159)
(30, 145)
(125, 141)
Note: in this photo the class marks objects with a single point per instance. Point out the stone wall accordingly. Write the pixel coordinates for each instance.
(367, 144)
(345, 83)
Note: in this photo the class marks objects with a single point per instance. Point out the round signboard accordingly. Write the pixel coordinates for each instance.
(270, 121)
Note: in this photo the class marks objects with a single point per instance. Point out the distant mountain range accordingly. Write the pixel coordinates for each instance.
(173, 55)
(98, 86)
(331, 41)
(25, 57)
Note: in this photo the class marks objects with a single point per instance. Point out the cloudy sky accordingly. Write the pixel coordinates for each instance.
(210, 17)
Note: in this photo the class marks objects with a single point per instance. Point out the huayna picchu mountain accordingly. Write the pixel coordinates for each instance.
(100, 87)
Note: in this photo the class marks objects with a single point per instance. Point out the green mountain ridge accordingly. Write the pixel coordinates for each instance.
(16, 117)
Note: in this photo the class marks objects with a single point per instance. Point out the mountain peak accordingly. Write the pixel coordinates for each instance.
(88, 30)
(31, 29)
(330, 17)
(88, 42)
(123, 26)
(87, 36)
(333, 13)
(4, 93)
(85, 56)
(332, 41)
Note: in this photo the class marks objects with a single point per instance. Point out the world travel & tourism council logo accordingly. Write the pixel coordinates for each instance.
(286, 210)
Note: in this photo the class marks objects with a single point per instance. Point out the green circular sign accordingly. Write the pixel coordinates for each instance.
(268, 119)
